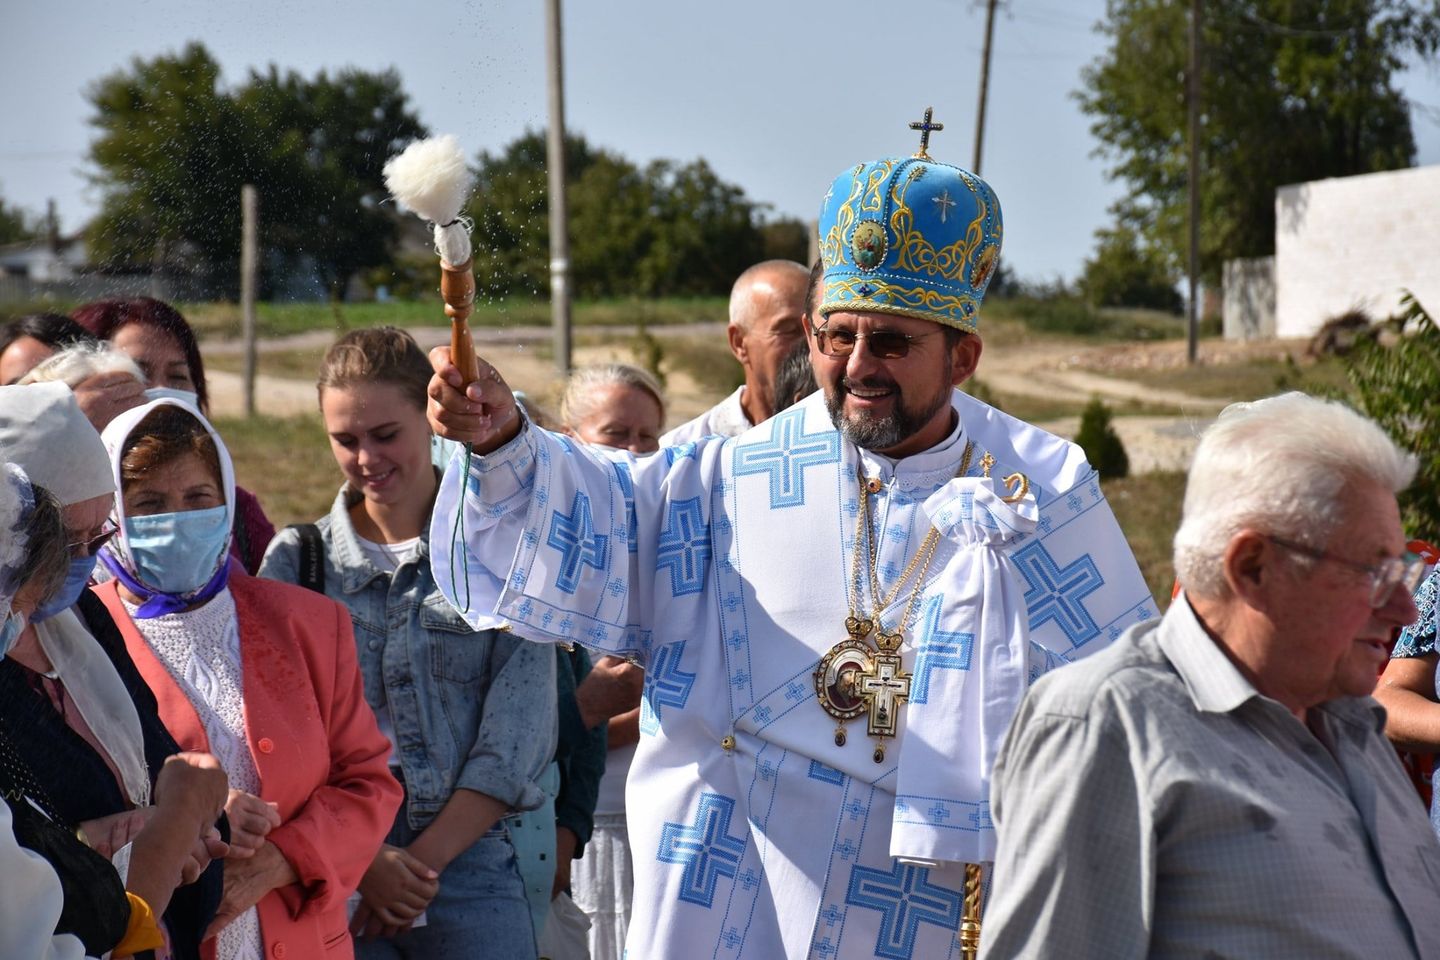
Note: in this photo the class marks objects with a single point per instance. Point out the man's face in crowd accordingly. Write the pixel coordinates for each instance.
(778, 303)
(1330, 642)
(896, 406)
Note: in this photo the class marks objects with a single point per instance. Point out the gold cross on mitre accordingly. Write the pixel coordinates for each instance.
(925, 126)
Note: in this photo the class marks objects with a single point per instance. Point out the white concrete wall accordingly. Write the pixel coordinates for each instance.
(1355, 242)
(1248, 308)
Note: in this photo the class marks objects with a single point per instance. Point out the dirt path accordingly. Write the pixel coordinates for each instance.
(1046, 370)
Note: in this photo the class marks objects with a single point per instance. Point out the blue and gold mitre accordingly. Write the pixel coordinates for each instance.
(911, 237)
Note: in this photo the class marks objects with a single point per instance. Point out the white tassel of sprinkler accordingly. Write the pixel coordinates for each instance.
(431, 179)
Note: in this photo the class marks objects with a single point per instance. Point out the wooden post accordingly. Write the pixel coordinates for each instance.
(984, 88)
(559, 214)
(1192, 97)
(249, 261)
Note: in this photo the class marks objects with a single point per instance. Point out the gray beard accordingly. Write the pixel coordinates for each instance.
(878, 433)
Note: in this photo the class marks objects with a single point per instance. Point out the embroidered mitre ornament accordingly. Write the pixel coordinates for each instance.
(911, 237)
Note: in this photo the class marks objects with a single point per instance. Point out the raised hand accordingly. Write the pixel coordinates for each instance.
(482, 413)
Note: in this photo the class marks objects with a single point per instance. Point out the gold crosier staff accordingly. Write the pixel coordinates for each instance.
(431, 178)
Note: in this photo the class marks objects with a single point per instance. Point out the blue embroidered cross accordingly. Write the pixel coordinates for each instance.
(826, 774)
(705, 849)
(905, 898)
(939, 650)
(786, 456)
(627, 490)
(749, 880)
(574, 535)
(762, 715)
(684, 547)
(1056, 594)
(666, 685)
(795, 691)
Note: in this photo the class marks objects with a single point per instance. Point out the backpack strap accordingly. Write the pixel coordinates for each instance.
(311, 569)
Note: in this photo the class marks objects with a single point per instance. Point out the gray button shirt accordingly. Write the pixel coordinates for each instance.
(1151, 803)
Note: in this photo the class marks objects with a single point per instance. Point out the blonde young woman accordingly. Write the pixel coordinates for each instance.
(470, 714)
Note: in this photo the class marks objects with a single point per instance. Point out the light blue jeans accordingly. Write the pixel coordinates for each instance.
(480, 911)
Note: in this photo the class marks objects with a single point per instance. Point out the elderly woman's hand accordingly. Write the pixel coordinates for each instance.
(251, 820)
(246, 881)
(105, 835)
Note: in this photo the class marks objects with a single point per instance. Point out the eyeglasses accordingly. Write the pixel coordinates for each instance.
(884, 344)
(90, 547)
(1405, 571)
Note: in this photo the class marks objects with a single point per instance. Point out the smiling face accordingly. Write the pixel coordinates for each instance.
(159, 357)
(894, 407)
(622, 416)
(1329, 641)
(381, 441)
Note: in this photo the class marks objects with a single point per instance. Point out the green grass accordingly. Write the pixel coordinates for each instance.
(285, 462)
(1148, 508)
(292, 364)
(1247, 380)
(1067, 316)
(282, 319)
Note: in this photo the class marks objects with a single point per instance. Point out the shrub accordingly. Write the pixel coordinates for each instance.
(1397, 380)
(1101, 443)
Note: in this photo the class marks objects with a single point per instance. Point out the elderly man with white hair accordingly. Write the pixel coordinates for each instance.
(1218, 784)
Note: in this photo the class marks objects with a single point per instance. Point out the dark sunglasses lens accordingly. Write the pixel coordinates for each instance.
(837, 343)
(889, 345)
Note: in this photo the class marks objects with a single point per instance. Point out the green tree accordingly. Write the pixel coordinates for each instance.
(14, 224)
(1397, 379)
(1293, 90)
(669, 229)
(175, 147)
(1123, 274)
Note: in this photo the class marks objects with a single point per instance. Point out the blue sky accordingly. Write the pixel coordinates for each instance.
(778, 96)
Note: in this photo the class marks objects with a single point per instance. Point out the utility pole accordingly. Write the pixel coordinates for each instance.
(559, 213)
(1192, 97)
(249, 261)
(984, 87)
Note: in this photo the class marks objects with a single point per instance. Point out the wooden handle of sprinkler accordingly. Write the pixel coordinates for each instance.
(457, 288)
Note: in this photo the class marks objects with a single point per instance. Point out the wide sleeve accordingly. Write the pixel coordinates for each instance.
(516, 739)
(1074, 869)
(30, 907)
(332, 838)
(565, 541)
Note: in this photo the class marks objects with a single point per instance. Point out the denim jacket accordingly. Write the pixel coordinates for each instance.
(470, 709)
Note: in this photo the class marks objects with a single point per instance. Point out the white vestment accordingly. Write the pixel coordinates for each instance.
(724, 568)
(725, 419)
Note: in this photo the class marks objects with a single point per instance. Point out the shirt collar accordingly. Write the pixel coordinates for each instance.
(1215, 684)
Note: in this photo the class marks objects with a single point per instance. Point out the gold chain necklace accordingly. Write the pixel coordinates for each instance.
(856, 677)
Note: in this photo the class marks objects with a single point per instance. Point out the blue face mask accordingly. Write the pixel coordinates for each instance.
(177, 553)
(11, 630)
(76, 580)
(171, 393)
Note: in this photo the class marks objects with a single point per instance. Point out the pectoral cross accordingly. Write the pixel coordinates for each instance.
(885, 686)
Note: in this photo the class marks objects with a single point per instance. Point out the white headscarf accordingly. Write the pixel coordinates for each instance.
(17, 499)
(114, 438)
(43, 430)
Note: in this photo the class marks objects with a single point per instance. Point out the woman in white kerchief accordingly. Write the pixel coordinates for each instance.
(261, 674)
(78, 713)
(63, 898)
